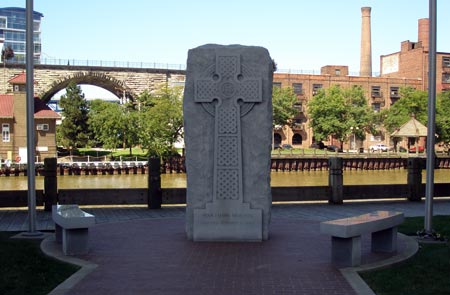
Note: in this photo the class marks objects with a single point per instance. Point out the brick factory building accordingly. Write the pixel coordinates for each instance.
(412, 61)
(408, 67)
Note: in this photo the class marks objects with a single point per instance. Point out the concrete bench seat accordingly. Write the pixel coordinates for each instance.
(72, 228)
(346, 235)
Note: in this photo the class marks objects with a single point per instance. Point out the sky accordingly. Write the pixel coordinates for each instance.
(299, 34)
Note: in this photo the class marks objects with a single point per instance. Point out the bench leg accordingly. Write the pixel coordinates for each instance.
(385, 240)
(58, 234)
(346, 252)
(75, 241)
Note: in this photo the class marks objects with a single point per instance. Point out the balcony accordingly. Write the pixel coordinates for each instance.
(378, 99)
(298, 127)
(299, 107)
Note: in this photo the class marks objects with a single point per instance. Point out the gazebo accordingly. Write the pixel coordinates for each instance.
(411, 129)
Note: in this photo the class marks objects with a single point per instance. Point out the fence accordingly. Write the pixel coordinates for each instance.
(154, 196)
(177, 165)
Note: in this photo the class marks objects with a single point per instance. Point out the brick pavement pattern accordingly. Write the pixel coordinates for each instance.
(154, 257)
(141, 251)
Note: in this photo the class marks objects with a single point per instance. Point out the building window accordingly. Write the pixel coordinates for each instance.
(395, 92)
(376, 107)
(375, 138)
(394, 100)
(277, 138)
(446, 61)
(316, 88)
(297, 139)
(337, 72)
(376, 91)
(446, 78)
(277, 84)
(2, 22)
(5, 132)
(298, 88)
(42, 127)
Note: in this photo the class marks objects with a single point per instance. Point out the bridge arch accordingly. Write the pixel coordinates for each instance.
(99, 79)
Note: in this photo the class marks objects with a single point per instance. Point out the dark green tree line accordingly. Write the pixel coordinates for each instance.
(152, 121)
(74, 130)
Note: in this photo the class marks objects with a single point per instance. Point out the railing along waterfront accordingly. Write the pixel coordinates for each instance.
(101, 166)
(335, 192)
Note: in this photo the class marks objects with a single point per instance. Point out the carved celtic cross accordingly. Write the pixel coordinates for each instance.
(227, 95)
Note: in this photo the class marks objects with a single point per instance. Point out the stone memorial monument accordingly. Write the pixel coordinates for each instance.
(228, 133)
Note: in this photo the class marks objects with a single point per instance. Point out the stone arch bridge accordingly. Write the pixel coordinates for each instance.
(121, 81)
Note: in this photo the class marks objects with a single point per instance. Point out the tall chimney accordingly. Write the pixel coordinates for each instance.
(366, 44)
(424, 32)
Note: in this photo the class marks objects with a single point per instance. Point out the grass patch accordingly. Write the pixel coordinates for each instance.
(427, 272)
(412, 224)
(26, 270)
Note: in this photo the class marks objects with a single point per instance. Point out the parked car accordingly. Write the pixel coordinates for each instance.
(317, 145)
(62, 152)
(334, 148)
(378, 147)
(412, 149)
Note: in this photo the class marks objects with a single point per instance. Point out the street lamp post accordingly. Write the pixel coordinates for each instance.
(353, 143)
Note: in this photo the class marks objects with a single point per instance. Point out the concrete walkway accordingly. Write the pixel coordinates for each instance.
(139, 251)
(17, 220)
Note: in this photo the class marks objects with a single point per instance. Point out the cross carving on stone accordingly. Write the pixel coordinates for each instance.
(229, 95)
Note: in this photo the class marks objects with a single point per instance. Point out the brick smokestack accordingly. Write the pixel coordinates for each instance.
(424, 32)
(365, 68)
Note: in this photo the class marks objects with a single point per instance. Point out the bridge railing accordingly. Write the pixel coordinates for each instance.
(104, 63)
(147, 65)
(115, 64)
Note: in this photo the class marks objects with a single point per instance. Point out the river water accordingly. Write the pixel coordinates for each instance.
(298, 178)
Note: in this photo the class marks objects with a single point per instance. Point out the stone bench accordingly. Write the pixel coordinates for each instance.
(71, 228)
(346, 235)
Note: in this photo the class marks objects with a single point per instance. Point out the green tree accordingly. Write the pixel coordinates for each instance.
(74, 130)
(113, 125)
(7, 54)
(283, 103)
(160, 120)
(335, 111)
(442, 117)
(412, 102)
(360, 116)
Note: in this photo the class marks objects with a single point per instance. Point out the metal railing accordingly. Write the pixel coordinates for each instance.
(146, 65)
(103, 63)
